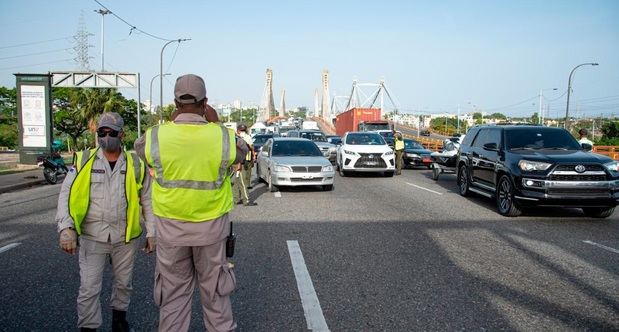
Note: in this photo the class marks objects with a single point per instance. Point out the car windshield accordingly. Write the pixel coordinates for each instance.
(386, 134)
(335, 140)
(295, 148)
(365, 139)
(313, 136)
(412, 145)
(261, 139)
(540, 138)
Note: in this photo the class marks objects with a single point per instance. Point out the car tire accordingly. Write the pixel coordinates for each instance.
(327, 187)
(505, 201)
(260, 179)
(435, 173)
(342, 172)
(598, 212)
(272, 187)
(388, 174)
(463, 181)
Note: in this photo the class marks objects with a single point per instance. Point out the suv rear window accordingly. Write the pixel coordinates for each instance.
(540, 138)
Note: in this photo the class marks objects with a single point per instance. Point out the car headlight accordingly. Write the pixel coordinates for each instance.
(388, 153)
(613, 167)
(327, 168)
(280, 168)
(412, 155)
(349, 152)
(528, 165)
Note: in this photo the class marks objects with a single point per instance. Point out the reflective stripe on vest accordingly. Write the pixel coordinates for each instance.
(189, 184)
(79, 193)
(399, 144)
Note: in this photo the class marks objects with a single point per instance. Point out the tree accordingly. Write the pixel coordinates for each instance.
(498, 116)
(534, 118)
(8, 117)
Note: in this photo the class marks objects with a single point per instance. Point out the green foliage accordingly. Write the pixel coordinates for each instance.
(445, 125)
(534, 118)
(8, 117)
(498, 116)
(248, 116)
(610, 130)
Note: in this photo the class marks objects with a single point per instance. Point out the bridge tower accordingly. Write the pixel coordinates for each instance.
(268, 105)
(282, 105)
(325, 108)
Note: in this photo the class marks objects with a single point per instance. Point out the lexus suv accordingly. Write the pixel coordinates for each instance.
(365, 152)
(522, 166)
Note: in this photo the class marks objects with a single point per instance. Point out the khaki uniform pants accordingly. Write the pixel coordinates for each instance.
(177, 272)
(92, 259)
(239, 189)
(246, 172)
(398, 161)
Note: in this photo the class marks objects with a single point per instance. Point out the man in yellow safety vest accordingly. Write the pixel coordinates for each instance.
(191, 158)
(101, 201)
(399, 151)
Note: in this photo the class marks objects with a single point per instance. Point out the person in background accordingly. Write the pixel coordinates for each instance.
(102, 199)
(582, 137)
(398, 144)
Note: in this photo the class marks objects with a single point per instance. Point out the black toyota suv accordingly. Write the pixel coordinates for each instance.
(527, 165)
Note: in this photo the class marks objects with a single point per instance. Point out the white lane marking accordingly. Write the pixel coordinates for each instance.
(311, 306)
(9, 247)
(601, 246)
(426, 189)
(277, 194)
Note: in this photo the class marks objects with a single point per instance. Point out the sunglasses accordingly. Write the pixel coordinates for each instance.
(103, 133)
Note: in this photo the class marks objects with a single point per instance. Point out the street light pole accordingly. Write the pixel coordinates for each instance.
(151, 90)
(569, 90)
(103, 12)
(161, 76)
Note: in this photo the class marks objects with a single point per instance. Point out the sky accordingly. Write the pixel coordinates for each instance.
(434, 56)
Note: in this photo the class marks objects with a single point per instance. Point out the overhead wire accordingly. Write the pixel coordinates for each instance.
(38, 53)
(37, 64)
(34, 43)
(133, 27)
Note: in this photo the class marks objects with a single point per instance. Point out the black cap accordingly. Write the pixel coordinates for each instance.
(241, 127)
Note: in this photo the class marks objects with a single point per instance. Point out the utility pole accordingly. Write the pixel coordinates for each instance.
(103, 12)
(569, 89)
(458, 119)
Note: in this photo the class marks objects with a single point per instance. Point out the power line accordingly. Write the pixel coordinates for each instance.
(38, 53)
(37, 64)
(173, 56)
(34, 43)
(133, 27)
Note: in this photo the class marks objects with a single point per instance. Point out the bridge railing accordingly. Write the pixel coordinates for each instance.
(611, 151)
(326, 127)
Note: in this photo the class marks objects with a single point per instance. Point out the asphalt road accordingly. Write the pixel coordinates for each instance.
(391, 254)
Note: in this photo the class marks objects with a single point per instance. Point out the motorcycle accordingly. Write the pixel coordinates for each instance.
(53, 165)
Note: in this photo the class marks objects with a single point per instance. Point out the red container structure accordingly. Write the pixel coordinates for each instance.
(349, 120)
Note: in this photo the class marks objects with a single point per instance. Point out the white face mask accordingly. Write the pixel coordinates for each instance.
(109, 144)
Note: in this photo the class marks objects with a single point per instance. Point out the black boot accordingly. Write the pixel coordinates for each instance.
(119, 321)
(85, 329)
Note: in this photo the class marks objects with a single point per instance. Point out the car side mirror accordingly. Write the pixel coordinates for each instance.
(586, 147)
(490, 147)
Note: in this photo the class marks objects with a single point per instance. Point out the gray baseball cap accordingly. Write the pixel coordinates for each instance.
(111, 120)
(191, 86)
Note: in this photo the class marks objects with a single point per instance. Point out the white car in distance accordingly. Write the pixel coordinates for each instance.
(365, 152)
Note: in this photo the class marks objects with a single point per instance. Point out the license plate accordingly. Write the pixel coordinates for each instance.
(372, 163)
(427, 160)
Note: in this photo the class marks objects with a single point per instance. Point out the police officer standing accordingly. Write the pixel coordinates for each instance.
(101, 201)
(191, 198)
(248, 164)
(399, 151)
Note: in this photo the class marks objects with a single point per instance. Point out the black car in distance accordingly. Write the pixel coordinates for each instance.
(521, 166)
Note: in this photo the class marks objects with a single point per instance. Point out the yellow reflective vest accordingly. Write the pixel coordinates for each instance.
(399, 144)
(79, 194)
(190, 163)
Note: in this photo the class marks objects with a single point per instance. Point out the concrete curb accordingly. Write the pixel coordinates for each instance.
(22, 185)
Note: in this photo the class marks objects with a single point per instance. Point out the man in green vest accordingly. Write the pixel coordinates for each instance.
(191, 158)
(101, 201)
(398, 144)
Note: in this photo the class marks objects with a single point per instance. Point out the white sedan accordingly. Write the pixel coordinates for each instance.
(286, 161)
(365, 152)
